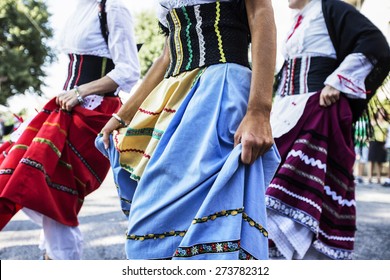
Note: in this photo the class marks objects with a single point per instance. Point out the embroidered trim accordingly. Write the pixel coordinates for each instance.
(244, 255)
(338, 198)
(200, 73)
(156, 113)
(125, 203)
(350, 85)
(55, 125)
(301, 198)
(218, 33)
(202, 49)
(178, 45)
(49, 143)
(34, 164)
(125, 200)
(308, 161)
(303, 174)
(130, 169)
(65, 164)
(85, 162)
(33, 128)
(63, 188)
(149, 112)
(207, 248)
(156, 236)
(335, 237)
(293, 213)
(305, 68)
(337, 215)
(339, 182)
(18, 146)
(189, 43)
(311, 146)
(223, 213)
(252, 223)
(292, 85)
(7, 171)
(40, 167)
(333, 253)
(135, 151)
(149, 131)
(80, 182)
(212, 248)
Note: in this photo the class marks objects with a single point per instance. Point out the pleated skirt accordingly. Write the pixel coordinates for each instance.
(311, 199)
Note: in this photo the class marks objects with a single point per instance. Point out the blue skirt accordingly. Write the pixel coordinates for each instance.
(195, 199)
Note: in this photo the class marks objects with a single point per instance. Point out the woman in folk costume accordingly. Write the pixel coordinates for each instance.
(335, 60)
(51, 167)
(193, 163)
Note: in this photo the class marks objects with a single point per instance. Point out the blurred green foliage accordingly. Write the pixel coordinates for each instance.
(24, 50)
(148, 32)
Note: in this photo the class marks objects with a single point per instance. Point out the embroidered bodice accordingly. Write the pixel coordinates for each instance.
(166, 5)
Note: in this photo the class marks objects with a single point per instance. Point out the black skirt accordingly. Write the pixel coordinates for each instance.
(377, 152)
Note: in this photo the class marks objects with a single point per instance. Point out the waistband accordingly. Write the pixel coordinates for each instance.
(206, 34)
(303, 75)
(86, 68)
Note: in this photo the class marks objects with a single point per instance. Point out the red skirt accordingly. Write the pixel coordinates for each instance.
(54, 164)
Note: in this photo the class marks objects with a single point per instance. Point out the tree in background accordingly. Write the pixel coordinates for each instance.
(148, 32)
(24, 49)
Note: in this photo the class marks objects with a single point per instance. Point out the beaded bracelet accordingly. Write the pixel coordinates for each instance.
(119, 119)
(79, 97)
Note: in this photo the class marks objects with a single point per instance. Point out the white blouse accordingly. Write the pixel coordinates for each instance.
(309, 37)
(82, 35)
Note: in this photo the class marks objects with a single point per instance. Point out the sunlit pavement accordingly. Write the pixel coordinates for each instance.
(103, 226)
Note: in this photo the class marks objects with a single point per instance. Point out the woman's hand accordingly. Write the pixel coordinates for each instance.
(67, 100)
(255, 135)
(329, 95)
(110, 126)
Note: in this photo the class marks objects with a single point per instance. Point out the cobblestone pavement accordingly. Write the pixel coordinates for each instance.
(103, 227)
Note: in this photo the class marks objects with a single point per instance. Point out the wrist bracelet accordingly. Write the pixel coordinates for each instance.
(79, 97)
(119, 119)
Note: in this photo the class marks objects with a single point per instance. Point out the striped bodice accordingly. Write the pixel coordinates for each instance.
(304, 75)
(206, 34)
(86, 68)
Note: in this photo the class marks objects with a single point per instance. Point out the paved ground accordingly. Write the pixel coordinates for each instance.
(104, 226)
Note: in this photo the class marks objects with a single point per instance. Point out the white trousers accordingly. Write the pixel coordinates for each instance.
(60, 242)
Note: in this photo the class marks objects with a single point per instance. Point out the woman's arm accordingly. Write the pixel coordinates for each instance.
(123, 51)
(152, 78)
(254, 131)
(68, 99)
(349, 78)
